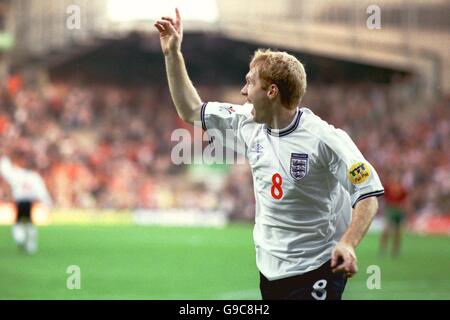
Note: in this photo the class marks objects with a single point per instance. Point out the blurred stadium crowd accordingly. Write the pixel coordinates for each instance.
(105, 146)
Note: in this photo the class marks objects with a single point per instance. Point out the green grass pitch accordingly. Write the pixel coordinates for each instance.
(137, 262)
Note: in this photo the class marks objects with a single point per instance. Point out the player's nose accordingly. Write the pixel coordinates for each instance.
(244, 91)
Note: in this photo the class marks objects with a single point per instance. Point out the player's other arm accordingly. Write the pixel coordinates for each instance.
(184, 95)
(346, 163)
(42, 191)
(362, 216)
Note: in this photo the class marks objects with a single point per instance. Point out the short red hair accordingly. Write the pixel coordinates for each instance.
(283, 70)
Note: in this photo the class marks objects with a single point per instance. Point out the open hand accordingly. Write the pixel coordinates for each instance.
(170, 33)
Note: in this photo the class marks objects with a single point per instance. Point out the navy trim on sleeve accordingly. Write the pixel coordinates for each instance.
(368, 195)
(202, 115)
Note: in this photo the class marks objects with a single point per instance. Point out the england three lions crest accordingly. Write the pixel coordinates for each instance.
(299, 165)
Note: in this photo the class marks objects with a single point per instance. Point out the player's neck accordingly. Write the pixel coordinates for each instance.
(282, 118)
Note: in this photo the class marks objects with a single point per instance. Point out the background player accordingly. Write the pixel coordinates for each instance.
(396, 209)
(306, 182)
(27, 188)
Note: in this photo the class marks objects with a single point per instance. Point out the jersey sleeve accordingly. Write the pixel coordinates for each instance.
(347, 164)
(6, 169)
(223, 123)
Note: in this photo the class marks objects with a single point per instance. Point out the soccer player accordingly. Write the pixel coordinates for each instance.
(397, 206)
(28, 188)
(307, 174)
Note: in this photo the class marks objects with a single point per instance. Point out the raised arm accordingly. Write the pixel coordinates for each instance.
(184, 95)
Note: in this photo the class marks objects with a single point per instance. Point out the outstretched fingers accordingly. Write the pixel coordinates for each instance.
(178, 24)
(177, 15)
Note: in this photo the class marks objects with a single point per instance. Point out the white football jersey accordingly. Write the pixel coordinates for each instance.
(26, 185)
(307, 177)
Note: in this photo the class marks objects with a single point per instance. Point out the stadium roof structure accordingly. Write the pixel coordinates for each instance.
(413, 37)
(136, 59)
(407, 41)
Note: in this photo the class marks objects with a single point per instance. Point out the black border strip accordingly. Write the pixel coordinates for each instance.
(223, 309)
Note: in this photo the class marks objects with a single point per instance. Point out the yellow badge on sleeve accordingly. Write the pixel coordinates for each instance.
(359, 172)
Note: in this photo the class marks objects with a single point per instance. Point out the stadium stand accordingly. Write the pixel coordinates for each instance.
(93, 143)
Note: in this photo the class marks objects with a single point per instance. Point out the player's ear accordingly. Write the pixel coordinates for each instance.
(272, 91)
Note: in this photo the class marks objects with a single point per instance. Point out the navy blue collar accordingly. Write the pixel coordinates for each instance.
(290, 128)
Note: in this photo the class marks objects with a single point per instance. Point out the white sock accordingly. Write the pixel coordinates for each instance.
(19, 233)
(31, 245)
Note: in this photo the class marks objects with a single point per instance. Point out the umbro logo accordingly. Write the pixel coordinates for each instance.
(257, 147)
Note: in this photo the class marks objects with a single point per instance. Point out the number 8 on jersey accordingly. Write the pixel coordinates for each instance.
(276, 190)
